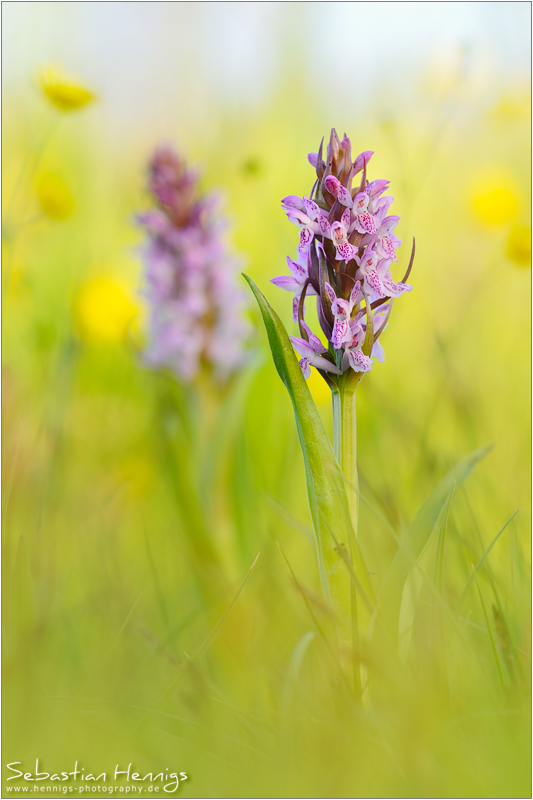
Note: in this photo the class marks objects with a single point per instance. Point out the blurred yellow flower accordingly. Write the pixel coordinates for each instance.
(513, 107)
(54, 196)
(319, 389)
(519, 245)
(104, 309)
(64, 93)
(494, 200)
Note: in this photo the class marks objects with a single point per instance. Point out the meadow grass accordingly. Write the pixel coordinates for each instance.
(134, 507)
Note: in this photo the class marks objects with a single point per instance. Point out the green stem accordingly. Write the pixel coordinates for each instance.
(345, 447)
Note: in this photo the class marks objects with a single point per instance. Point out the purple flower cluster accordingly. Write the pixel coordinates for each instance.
(197, 310)
(347, 247)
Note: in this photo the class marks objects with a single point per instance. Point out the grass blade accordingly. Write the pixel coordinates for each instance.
(178, 680)
(480, 563)
(438, 576)
(418, 535)
(489, 629)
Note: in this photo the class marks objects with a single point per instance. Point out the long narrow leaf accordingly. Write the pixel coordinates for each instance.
(325, 482)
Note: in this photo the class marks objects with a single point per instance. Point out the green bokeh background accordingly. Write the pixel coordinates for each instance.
(134, 506)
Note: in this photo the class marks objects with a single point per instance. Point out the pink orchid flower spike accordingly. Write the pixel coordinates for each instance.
(347, 247)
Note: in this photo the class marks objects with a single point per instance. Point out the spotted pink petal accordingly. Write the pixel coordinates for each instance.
(366, 221)
(306, 237)
(323, 224)
(304, 366)
(385, 248)
(373, 282)
(341, 333)
(359, 362)
(394, 289)
(296, 307)
(354, 294)
(299, 272)
(344, 196)
(311, 208)
(345, 219)
(345, 251)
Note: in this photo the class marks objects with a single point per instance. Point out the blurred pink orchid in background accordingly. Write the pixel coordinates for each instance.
(196, 308)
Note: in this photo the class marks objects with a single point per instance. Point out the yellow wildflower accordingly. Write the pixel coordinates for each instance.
(319, 389)
(54, 196)
(513, 107)
(64, 93)
(104, 309)
(519, 245)
(494, 200)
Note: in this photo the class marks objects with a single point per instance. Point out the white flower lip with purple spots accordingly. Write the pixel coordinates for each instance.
(342, 311)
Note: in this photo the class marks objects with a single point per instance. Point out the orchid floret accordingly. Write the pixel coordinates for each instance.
(296, 281)
(311, 351)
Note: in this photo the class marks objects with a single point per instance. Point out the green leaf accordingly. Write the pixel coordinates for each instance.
(489, 631)
(438, 574)
(325, 483)
(417, 536)
(480, 564)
